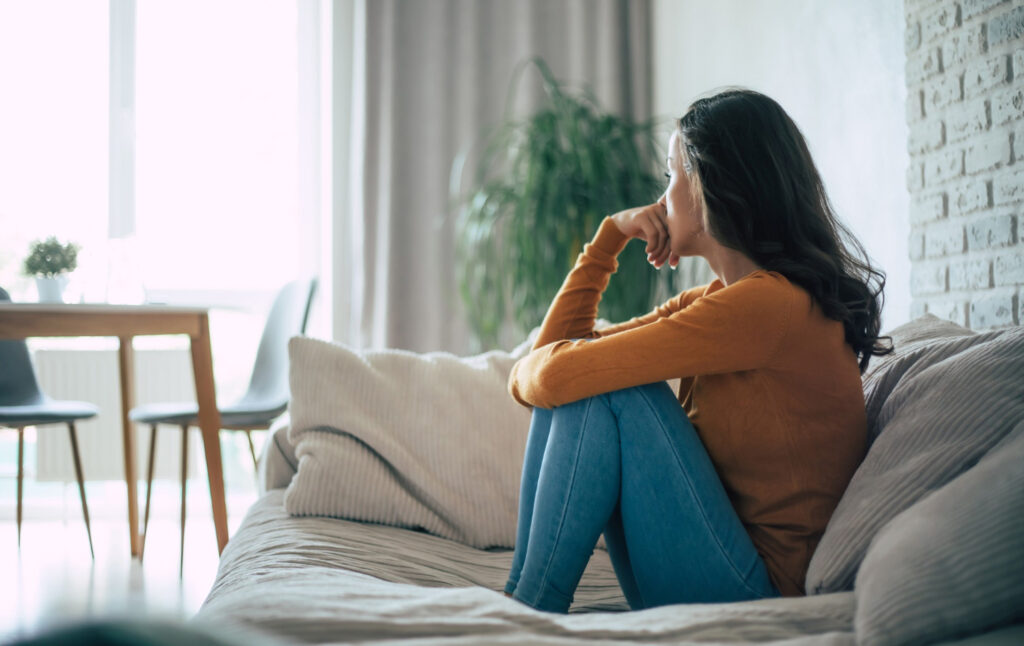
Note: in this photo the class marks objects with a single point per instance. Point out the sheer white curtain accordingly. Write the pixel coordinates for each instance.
(425, 79)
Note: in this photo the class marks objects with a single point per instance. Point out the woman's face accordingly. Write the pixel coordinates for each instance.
(685, 219)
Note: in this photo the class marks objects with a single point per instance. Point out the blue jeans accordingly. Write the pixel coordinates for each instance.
(630, 464)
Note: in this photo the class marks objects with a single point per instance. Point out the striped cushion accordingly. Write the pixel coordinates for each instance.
(953, 564)
(427, 441)
(915, 342)
(933, 411)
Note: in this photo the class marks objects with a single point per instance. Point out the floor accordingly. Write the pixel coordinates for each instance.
(52, 579)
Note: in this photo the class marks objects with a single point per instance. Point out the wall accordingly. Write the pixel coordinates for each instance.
(965, 104)
(838, 69)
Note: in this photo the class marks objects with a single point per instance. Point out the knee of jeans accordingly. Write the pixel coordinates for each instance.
(658, 388)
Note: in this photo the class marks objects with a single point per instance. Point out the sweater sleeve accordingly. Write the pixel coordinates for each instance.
(736, 328)
(574, 309)
(671, 306)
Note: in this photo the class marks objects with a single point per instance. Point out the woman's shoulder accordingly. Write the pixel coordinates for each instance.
(757, 281)
(762, 292)
(771, 289)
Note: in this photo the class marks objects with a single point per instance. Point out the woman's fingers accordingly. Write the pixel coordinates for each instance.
(659, 254)
(658, 250)
(651, 233)
(660, 259)
(649, 223)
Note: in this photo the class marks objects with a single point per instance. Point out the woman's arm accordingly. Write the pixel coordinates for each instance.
(732, 329)
(668, 308)
(574, 309)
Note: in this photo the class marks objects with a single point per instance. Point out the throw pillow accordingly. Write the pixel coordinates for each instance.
(953, 400)
(916, 342)
(423, 441)
(953, 564)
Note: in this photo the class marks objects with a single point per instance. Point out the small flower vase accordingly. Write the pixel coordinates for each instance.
(51, 288)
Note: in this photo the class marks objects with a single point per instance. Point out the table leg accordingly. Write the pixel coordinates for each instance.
(209, 425)
(126, 358)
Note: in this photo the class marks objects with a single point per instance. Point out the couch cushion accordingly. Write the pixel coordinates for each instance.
(427, 441)
(324, 580)
(920, 342)
(934, 409)
(952, 564)
(278, 462)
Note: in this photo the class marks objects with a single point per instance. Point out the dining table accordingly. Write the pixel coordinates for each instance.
(125, 322)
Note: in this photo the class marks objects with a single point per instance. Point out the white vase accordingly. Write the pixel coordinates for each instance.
(51, 288)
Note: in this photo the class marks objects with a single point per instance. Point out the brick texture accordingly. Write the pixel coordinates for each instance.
(965, 115)
(941, 92)
(926, 135)
(987, 151)
(925, 279)
(970, 274)
(985, 74)
(937, 21)
(994, 309)
(924, 65)
(1006, 27)
(971, 8)
(962, 46)
(945, 239)
(965, 120)
(1008, 269)
(968, 197)
(992, 233)
(1007, 188)
(1006, 106)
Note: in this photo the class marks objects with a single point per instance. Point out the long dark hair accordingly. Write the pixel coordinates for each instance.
(762, 196)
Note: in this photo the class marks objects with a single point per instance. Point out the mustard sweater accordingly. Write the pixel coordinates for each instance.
(769, 383)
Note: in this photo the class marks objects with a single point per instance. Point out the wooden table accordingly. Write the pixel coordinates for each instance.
(22, 320)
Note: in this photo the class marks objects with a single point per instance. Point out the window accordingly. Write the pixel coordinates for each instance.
(217, 144)
(54, 79)
(213, 191)
(221, 196)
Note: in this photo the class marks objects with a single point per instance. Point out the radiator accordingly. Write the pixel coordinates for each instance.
(93, 376)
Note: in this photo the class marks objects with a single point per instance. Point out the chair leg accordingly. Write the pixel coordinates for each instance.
(184, 481)
(149, 491)
(81, 483)
(252, 450)
(21, 461)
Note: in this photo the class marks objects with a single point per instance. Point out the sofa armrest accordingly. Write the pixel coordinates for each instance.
(278, 463)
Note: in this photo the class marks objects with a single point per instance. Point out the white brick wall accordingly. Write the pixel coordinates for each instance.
(965, 112)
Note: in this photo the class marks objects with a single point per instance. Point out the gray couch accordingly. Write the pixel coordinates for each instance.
(926, 546)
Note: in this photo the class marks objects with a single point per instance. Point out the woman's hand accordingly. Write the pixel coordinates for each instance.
(650, 224)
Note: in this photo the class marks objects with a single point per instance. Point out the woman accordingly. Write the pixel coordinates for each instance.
(719, 493)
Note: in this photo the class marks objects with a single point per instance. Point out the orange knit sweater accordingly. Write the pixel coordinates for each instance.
(768, 381)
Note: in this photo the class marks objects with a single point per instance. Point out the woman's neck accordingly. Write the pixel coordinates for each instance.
(730, 265)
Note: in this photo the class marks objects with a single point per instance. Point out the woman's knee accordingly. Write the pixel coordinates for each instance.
(658, 396)
(587, 421)
(658, 388)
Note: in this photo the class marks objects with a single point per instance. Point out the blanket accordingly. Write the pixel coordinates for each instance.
(317, 580)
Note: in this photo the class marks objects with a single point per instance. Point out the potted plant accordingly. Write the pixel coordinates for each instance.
(540, 189)
(50, 262)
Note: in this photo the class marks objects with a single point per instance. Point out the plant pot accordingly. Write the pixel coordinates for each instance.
(51, 288)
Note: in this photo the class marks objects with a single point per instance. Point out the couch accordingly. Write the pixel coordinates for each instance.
(926, 546)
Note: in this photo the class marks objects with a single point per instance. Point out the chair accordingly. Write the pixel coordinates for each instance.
(265, 399)
(23, 404)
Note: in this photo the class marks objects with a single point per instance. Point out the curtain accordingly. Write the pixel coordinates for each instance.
(427, 78)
